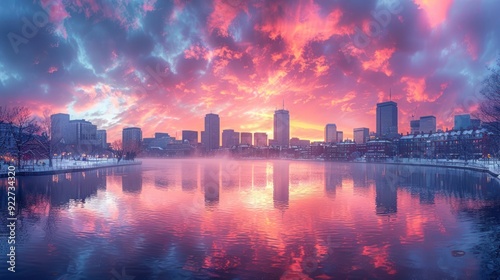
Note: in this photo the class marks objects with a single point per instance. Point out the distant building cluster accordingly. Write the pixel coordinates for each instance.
(79, 136)
(469, 138)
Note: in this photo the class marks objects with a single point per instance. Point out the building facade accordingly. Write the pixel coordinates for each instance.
(361, 135)
(387, 119)
(282, 128)
(131, 139)
(190, 136)
(212, 132)
(340, 136)
(260, 139)
(462, 122)
(246, 138)
(428, 124)
(331, 133)
(102, 138)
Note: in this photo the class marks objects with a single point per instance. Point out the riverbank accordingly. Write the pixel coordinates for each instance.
(66, 166)
(490, 167)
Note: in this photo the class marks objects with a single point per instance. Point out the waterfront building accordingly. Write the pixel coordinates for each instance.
(102, 138)
(428, 124)
(331, 133)
(246, 138)
(131, 139)
(387, 119)
(230, 138)
(190, 136)
(340, 136)
(260, 139)
(282, 128)
(212, 132)
(58, 125)
(296, 142)
(462, 122)
(414, 126)
(361, 135)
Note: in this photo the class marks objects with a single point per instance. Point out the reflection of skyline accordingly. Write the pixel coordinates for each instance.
(132, 182)
(259, 176)
(281, 181)
(211, 183)
(344, 232)
(333, 179)
(386, 192)
(189, 176)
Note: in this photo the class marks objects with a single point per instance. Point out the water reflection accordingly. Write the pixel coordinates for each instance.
(259, 175)
(211, 182)
(189, 174)
(281, 181)
(333, 179)
(84, 225)
(132, 181)
(386, 187)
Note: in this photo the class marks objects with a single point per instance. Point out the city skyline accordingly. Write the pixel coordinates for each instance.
(241, 59)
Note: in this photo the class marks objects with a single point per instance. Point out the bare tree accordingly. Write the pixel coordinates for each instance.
(489, 109)
(22, 127)
(46, 143)
(117, 149)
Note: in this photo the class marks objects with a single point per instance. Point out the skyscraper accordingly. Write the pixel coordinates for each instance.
(131, 139)
(428, 124)
(387, 119)
(361, 135)
(212, 131)
(330, 133)
(282, 127)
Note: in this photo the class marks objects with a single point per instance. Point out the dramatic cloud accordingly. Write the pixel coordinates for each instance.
(163, 65)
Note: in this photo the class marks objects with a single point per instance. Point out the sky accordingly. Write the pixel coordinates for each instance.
(163, 65)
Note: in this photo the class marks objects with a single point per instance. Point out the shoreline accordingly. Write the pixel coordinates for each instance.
(70, 169)
(457, 165)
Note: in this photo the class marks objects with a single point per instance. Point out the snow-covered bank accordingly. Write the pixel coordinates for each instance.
(64, 166)
(490, 166)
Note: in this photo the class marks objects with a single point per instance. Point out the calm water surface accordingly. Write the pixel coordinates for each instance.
(225, 219)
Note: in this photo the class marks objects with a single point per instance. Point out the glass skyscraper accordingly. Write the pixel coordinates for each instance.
(211, 135)
(387, 119)
(282, 128)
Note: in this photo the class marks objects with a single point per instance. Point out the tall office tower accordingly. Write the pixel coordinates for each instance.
(330, 133)
(58, 125)
(212, 131)
(131, 139)
(462, 122)
(246, 138)
(340, 136)
(102, 138)
(361, 135)
(260, 139)
(414, 126)
(428, 124)
(282, 127)
(190, 136)
(387, 119)
(229, 138)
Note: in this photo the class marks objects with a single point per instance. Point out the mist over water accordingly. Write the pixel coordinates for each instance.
(256, 219)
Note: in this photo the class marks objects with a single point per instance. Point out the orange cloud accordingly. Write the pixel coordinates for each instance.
(436, 10)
